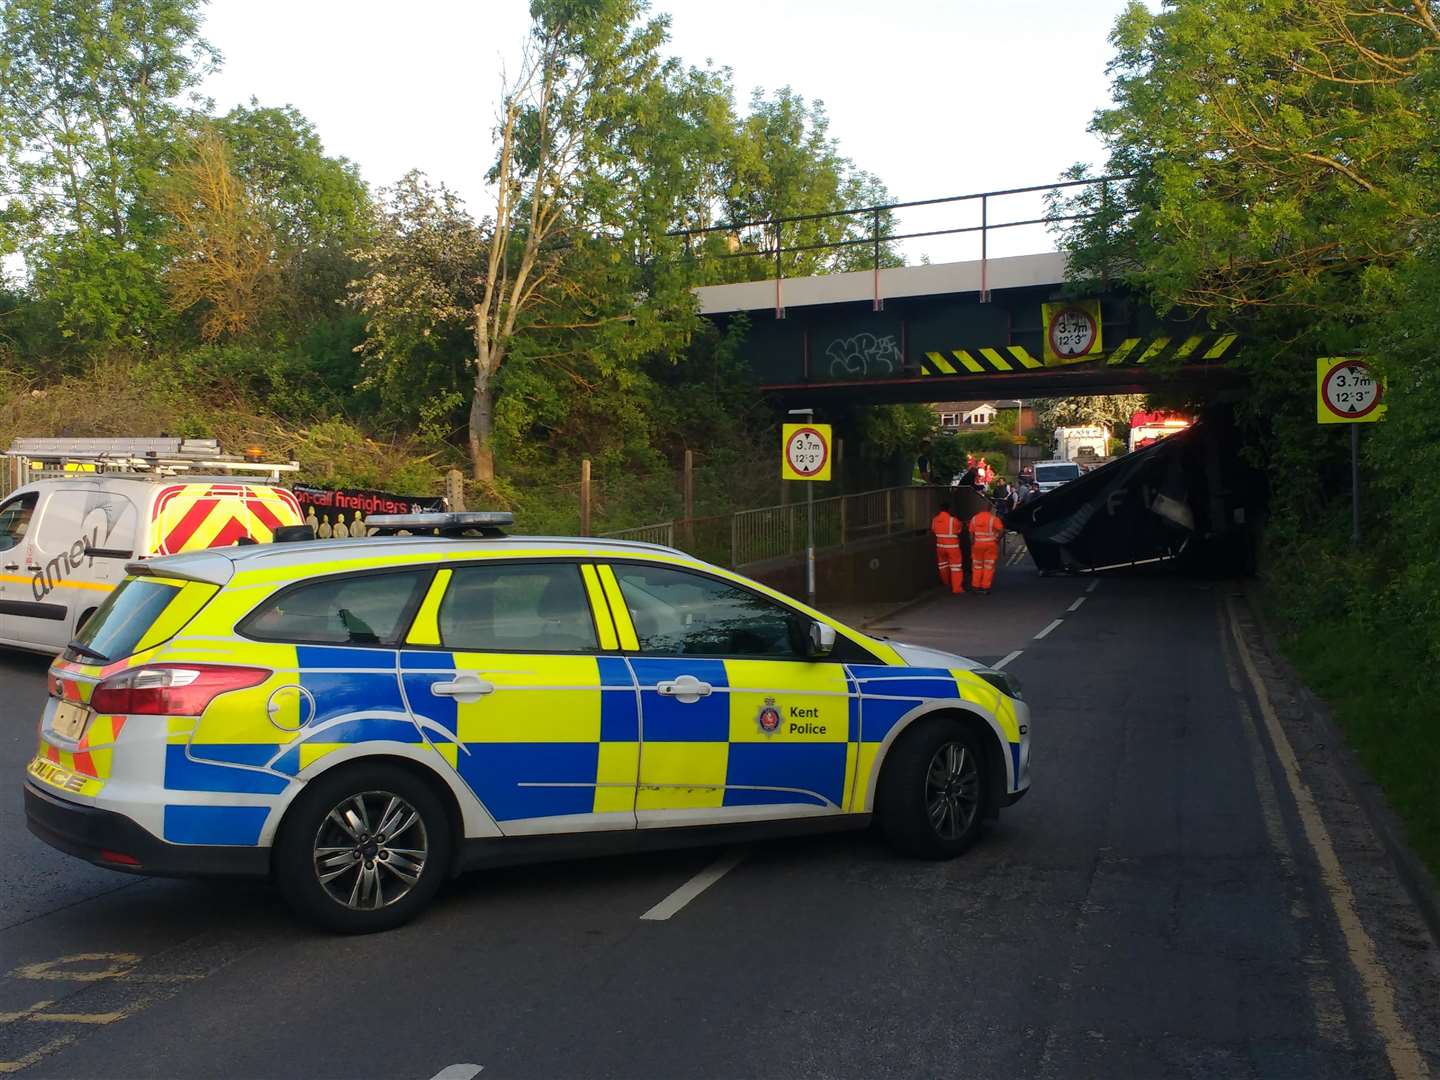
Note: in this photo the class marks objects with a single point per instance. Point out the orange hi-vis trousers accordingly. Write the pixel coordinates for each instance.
(946, 528)
(947, 556)
(982, 563)
(985, 532)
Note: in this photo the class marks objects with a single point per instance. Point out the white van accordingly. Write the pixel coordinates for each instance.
(1050, 475)
(64, 541)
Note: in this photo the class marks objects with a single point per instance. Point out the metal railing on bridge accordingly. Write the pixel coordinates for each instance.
(765, 237)
(775, 532)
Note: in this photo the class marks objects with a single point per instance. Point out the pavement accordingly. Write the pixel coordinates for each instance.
(1177, 896)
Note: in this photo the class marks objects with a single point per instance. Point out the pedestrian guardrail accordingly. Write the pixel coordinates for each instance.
(775, 532)
(662, 532)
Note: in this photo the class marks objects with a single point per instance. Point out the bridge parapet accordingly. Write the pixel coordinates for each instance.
(1008, 326)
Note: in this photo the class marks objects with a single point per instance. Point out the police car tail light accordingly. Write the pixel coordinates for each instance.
(171, 689)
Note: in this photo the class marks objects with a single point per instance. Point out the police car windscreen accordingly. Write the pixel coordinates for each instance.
(1049, 474)
(121, 621)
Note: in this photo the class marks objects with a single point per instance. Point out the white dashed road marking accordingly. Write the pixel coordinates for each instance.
(695, 886)
(1047, 629)
(1093, 585)
(1013, 656)
(1076, 605)
(458, 1072)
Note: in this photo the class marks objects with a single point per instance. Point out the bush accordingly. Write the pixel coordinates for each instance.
(116, 398)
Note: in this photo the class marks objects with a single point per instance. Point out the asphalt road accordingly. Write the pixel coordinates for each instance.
(1155, 907)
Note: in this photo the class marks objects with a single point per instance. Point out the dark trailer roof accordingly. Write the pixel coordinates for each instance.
(1188, 498)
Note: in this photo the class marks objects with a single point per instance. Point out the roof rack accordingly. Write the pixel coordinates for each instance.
(155, 457)
(485, 524)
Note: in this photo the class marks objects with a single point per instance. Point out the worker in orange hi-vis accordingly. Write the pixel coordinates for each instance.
(946, 527)
(986, 528)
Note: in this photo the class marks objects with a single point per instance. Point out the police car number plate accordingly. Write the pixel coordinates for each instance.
(69, 722)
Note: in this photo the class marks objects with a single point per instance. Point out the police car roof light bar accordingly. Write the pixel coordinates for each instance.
(488, 523)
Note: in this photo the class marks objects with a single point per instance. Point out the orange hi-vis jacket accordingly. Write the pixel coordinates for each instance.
(986, 528)
(946, 527)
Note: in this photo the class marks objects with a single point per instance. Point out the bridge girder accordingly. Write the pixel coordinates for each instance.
(966, 343)
(1214, 382)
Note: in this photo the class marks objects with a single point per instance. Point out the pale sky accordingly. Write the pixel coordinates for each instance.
(937, 98)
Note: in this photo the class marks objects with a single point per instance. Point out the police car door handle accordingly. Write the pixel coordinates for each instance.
(465, 689)
(685, 688)
(12, 566)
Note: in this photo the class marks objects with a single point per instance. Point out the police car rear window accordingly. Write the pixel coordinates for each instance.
(367, 609)
(121, 621)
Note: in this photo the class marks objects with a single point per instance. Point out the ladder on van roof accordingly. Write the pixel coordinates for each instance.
(35, 459)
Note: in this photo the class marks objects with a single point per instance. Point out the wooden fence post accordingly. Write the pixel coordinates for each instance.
(688, 486)
(455, 490)
(585, 497)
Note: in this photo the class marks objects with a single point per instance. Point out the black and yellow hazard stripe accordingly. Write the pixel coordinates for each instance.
(1135, 350)
(980, 362)
(1195, 347)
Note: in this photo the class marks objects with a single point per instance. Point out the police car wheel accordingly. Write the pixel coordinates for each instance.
(933, 791)
(363, 849)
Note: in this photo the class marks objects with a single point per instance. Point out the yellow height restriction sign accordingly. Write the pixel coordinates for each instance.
(1347, 391)
(805, 452)
(1072, 331)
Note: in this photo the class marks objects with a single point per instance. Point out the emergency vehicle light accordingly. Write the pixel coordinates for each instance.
(443, 523)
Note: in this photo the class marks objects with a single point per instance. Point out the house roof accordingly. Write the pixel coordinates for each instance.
(971, 406)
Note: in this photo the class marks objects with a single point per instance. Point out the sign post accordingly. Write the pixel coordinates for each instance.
(805, 455)
(1348, 391)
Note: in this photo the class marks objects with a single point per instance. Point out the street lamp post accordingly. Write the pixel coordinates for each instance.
(1019, 432)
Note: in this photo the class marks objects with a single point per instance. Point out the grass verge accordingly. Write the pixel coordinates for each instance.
(1383, 693)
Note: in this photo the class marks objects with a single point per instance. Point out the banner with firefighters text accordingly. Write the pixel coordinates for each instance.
(341, 512)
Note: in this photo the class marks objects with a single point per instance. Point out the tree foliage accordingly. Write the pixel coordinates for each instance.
(1281, 154)
(88, 111)
(231, 258)
(1112, 410)
(419, 285)
(1283, 172)
(785, 164)
(223, 247)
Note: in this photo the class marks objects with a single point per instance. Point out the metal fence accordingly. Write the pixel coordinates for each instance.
(872, 227)
(774, 532)
(662, 532)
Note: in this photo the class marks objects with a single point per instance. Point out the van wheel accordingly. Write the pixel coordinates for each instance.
(934, 791)
(363, 849)
(84, 618)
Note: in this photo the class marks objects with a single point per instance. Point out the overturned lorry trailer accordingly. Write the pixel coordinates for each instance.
(1189, 499)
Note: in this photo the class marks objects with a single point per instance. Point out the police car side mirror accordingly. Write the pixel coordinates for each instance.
(820, 642)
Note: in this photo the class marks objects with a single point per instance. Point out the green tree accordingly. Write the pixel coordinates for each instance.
(784, 163)
(310, 198)
(1112, 410)
(89, 103)
(418, 288)
(319, 210)
(1281, 154)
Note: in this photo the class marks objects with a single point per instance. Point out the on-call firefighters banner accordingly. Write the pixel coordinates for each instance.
(342, 511)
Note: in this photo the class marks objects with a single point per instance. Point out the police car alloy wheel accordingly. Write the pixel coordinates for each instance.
(362, 849)
(370, 850)
(934, 790)
(952, 790)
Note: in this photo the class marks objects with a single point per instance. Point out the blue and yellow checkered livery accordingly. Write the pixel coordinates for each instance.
(526, 743)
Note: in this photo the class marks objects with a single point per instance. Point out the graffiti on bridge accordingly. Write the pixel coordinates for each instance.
(864, 354)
